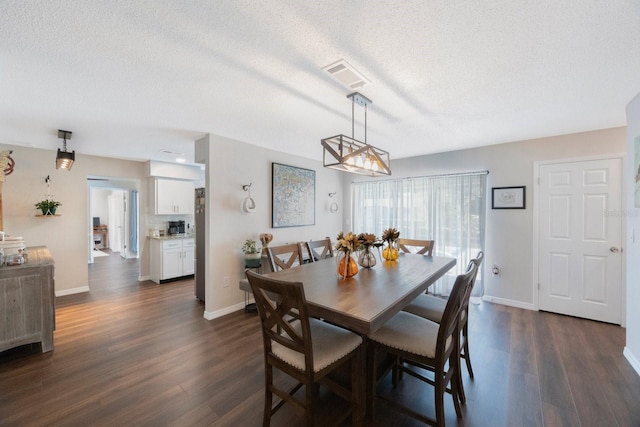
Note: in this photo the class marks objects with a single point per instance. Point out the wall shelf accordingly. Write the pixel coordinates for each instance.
(48, 215)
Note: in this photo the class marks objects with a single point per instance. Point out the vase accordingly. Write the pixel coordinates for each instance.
(390, 252)
(367, 259)
(252, 260)
(347, 266)
(48, 211)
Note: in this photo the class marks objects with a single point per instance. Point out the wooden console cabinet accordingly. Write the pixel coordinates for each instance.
(27, 301)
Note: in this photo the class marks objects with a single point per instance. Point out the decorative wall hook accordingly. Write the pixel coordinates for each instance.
(333, 207)
(248, 205)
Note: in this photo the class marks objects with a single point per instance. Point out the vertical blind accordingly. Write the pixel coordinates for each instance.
(449, 209)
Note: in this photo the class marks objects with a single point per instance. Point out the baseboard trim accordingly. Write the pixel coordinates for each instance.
(210, 315)
(509, 302)
(72, 291)
(635, 363)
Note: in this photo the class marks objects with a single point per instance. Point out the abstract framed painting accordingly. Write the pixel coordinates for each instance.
(293, 201)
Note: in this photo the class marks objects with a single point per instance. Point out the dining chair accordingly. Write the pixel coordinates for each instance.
(419, 343)
(284, 256)
(307, 350)
(413, 246)
(432, 308)
(318, 249)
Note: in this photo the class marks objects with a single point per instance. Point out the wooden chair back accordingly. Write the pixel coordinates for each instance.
(477, 261)
(421, 247)
(448, 333)
(277, 301)
(284, 256)
(318, 249)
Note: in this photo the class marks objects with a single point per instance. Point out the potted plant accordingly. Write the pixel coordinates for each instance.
(48, 207)
(252, 256)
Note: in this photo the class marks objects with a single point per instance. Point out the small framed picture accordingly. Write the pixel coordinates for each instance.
(508, 198)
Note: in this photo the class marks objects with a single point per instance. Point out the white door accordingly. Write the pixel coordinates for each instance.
(117, 221)
(580, 231)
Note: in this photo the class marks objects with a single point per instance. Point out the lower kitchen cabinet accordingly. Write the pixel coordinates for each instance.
(172, 258)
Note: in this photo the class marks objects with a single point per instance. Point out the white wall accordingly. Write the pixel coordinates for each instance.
(230, 165)
(67, 236)
(99, 206)
(632, 349)
(509, 233)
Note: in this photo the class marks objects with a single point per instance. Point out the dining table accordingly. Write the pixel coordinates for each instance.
(364, 302)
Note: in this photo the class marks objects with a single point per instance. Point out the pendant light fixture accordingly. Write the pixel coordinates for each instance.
(350, 155)
(64, 159)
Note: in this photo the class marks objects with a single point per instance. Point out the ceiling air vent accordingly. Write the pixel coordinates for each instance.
(346, 74)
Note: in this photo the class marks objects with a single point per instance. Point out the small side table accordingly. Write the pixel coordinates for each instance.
(103, 231)
(249, 307)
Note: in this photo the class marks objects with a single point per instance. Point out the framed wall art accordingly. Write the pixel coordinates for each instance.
(293, 202)
(636, 165)
(508, 198)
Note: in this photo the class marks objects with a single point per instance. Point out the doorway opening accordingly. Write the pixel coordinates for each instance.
(113, 217)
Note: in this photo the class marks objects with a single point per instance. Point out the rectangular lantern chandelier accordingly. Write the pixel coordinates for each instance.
(350, 155)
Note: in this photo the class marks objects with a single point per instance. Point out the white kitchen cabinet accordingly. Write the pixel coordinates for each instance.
(188, 257)
(172, 258)
(172, 196)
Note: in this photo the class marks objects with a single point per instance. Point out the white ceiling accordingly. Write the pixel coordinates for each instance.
(133, 77)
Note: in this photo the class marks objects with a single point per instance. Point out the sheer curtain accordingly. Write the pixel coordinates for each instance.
(449, 209)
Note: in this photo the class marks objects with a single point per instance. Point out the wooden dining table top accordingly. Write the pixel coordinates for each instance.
(364, 302)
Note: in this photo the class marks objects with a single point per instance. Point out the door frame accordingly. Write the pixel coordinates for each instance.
(121, 184)
(536, 220)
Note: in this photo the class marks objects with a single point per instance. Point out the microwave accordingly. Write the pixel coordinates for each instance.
(176, 228)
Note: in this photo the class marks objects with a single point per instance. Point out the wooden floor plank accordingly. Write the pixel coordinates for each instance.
(138, 353)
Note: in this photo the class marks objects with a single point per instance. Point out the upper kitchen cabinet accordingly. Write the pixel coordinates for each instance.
(172, 196)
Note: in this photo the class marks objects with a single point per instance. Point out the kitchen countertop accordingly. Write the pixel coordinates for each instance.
(185, 236)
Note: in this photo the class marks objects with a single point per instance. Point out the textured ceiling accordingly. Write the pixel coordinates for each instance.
(131, 78)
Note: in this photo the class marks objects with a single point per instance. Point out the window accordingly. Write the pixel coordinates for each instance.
(449, 209)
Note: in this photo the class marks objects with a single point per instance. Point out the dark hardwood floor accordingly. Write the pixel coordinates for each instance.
(137, 353)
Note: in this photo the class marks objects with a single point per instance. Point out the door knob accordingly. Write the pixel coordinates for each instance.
(614, 249)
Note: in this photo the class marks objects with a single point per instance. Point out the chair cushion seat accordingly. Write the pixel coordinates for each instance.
(430, 307)
(410, 333)
(427, 307)
(330, 344)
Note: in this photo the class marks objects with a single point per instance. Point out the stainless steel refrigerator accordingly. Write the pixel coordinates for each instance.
(199, 213)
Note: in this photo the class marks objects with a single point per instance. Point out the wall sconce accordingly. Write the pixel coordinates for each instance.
(248, 205)
(64, 159)
(333, 207)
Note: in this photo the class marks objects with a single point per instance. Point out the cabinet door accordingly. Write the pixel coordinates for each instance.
(172, 263)
(20, 310)
(185, 197)
(188, 260)
(173, 197)
(165, 199)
